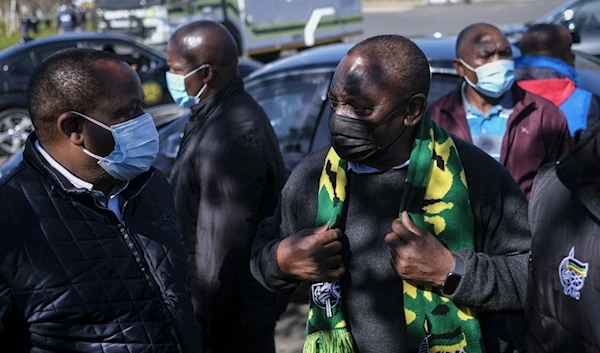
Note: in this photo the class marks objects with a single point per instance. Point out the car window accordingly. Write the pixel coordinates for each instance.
(587, 17)
(21, 67)
(139, 60)
(293, 104)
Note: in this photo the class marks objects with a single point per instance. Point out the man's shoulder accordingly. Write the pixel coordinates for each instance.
(482, 171)
(449, 99)
(308, 170)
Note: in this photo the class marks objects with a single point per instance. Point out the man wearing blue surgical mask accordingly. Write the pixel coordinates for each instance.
(90, 245)
(226, 180)
(519, 129)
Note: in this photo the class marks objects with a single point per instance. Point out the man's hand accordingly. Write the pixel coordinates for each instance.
(417, 255)
(312, 254)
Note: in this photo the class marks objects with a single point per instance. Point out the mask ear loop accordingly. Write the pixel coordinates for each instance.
(197, 96)
(95, 156)
(106, 127)
(472, 70)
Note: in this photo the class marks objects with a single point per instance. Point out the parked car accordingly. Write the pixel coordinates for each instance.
(293, 93)
(581, 17)
(18, 62)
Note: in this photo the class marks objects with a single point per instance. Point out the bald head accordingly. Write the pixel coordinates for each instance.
(546, 39)
(205, 42)
(396, 62)
(476, 35)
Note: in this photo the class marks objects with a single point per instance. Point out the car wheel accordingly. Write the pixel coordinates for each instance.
(15, 126)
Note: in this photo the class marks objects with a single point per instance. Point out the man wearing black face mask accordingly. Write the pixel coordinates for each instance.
(396, 188)
(91, 257)
(519, 129)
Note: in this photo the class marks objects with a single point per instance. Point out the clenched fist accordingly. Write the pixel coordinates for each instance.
(312, 254)
(417, 255)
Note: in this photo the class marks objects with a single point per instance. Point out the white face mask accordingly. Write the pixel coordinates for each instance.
(176, 86)
(136, 147)
(494, 78)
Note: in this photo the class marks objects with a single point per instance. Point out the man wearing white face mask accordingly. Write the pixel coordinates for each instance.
(226, 180)
(91, 257)
(519, 129)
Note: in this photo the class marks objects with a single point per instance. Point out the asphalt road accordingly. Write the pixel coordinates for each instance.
(417, 20)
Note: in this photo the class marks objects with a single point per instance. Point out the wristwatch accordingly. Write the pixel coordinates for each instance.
(454, 277)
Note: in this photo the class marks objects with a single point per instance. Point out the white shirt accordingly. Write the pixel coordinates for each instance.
(113, 198)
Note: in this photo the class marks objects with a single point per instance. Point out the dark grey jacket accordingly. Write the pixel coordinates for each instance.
(75, 279)
(227, 179)
(496, 272)
(563, 304)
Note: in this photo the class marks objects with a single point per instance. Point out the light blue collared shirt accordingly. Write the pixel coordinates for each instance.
(488, 130)
(360, 168)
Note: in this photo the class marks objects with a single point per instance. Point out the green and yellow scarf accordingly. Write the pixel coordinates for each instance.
(437, 199)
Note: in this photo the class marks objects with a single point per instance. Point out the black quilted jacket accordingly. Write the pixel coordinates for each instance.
(74, 279)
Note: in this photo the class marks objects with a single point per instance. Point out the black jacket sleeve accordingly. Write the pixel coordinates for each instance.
(496, 272)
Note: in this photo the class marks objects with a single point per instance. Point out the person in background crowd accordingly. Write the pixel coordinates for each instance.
(547, 69)
(91, 257)
(519, 129)
(34, 21)
(226, 180)
(433, 279)
(564, 218)
(66, 19)
(25, 26)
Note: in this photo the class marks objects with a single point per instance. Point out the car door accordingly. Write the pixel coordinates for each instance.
(294, 103)
(18, 70)
(150, 67)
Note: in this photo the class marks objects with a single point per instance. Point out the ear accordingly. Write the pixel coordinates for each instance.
(208, 74)
(459, 67)
(71, 127)
(416, 109)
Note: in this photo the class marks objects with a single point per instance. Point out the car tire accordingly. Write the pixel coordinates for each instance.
(15, 126)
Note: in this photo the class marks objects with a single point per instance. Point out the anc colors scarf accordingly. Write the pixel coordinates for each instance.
(437, 199)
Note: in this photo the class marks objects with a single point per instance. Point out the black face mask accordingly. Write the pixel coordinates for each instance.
(352, 139)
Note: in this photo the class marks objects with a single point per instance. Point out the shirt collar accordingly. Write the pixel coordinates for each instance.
(77, 182)
(506, 103)
(360, 168)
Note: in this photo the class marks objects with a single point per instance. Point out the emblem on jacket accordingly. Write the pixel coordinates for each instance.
(326, 295)
(572, 274)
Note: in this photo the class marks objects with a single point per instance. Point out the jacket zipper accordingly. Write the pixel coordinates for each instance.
(142, 263)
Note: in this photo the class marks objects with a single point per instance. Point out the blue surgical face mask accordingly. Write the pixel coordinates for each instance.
(136, 147)
(176, 86)
(493, 79)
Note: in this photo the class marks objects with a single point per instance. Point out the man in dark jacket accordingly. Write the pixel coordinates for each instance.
(226, 180)
(547, 69)
(564, 217)
(91, 258)
(378, 107)
(519, 129)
